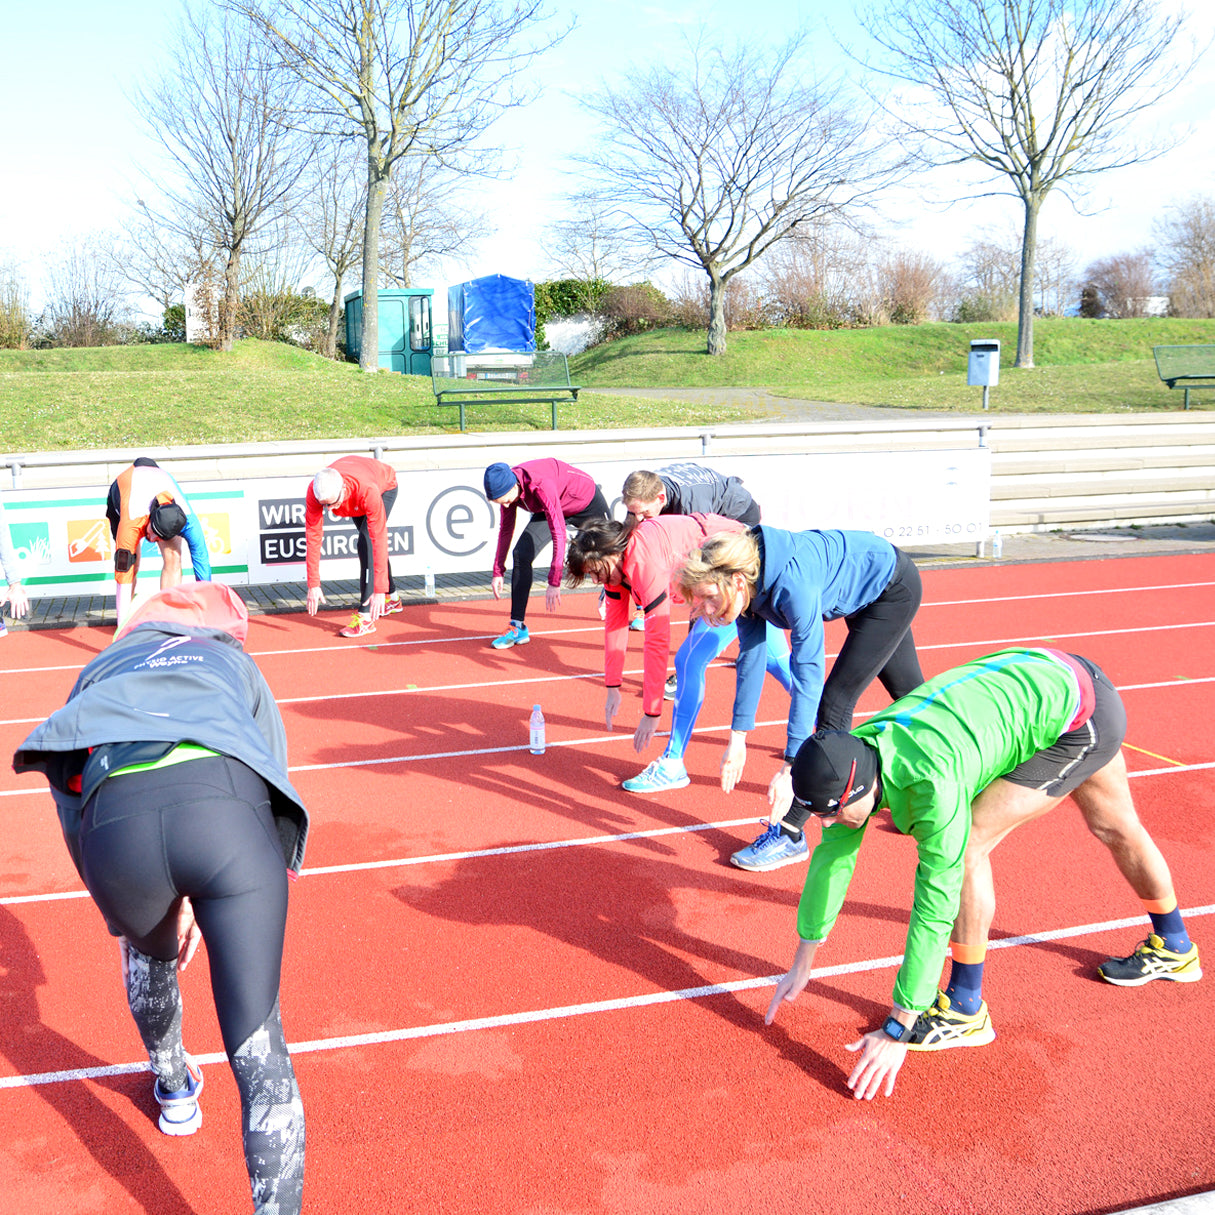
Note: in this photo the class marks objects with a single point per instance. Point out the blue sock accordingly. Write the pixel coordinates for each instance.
(965, 990)
(1170, 928)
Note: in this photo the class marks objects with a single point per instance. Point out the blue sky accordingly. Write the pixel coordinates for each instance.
(74, 150)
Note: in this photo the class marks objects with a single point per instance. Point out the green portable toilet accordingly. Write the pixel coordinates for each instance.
(405, 332)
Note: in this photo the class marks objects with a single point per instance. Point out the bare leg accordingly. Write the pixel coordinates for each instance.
(171, 554)
(1105, 801)
(999, 809)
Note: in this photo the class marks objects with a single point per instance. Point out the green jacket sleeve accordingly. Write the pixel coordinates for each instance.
(832, 865)
(938, 818)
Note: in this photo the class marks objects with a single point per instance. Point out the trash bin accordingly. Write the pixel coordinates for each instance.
(983, 369)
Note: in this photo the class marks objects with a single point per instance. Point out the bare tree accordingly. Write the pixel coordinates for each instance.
(85, 303)
(1055, 286)
(1186, 237)
(1041, 92)
(272, 306)
(159, 259)
(411, 78)
(1123, 284)
(219, 114)
(822, 277)
(989, 275)
(425, 218)
(587, 244)
(910, 283)
(714, 159)
(15, 321)
(331, 215)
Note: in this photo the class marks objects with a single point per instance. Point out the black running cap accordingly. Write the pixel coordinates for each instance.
(166, 519)
(822, 768)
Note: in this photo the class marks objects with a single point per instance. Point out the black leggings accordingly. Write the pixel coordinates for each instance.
(204, 829)
(364, 550)
(879, 645)
(534, 537)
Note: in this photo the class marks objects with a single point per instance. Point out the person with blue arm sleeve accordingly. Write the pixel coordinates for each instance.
(795, 581)
(145, 502)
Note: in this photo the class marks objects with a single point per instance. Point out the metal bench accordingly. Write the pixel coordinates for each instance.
(542, 377)
(1186, 367)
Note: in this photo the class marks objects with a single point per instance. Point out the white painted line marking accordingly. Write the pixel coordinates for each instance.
(575, 1010)
(653, 833)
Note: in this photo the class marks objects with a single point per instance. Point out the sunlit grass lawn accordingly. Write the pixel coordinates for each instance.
(1082, 365)
(260, 392)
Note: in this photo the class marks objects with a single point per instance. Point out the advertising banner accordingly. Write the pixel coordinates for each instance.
(442, 522)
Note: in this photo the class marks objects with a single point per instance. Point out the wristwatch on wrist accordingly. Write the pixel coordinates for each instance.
(892, 1027)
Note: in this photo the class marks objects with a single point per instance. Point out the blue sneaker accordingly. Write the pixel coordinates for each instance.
(772, 850)
(659, 776)
(515, 635)
(180, 1113)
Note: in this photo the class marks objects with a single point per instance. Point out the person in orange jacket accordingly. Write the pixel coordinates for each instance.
(146, 503)
(362, 489)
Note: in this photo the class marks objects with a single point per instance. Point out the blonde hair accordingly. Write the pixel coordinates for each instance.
(718, 560)
(327, 486)
(641, 486)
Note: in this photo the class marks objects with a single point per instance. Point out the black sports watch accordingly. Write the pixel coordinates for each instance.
(892, 1027)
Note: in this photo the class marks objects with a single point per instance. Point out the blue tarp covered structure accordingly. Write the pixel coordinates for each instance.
(493, 313)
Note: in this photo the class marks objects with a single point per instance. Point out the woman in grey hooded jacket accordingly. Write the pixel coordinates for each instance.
(168, 767)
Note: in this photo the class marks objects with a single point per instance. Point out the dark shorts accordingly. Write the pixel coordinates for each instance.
(1073, 757)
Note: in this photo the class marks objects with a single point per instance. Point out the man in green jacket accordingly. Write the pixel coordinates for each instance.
(961, 762)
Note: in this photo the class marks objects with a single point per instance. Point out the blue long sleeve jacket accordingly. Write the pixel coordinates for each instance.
(804, 579)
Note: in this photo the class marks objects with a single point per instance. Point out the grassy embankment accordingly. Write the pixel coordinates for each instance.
(121, 396)
(1083, 365)
(151, 395)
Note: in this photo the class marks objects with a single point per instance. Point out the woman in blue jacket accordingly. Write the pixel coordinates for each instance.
(796, 580)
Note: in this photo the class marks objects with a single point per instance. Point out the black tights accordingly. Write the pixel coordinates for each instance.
(879, 645)
(203, 829)
(534, 537)
(363, 547)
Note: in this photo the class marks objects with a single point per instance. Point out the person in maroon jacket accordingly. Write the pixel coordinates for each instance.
(559, 496)
(362, 489)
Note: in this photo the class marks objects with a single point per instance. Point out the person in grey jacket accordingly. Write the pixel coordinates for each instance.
(687, 489)
(168, 767)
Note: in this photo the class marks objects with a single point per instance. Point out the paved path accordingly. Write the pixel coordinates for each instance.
(767, 405)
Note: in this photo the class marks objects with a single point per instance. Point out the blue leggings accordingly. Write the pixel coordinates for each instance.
(692, 659)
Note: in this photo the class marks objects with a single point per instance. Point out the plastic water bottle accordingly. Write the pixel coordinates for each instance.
(536, 726)
(997, 545)
(430, 582)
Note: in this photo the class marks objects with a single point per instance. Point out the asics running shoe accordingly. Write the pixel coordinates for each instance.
(1151, 960)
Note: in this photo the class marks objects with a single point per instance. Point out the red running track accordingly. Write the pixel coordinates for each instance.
(510, 986)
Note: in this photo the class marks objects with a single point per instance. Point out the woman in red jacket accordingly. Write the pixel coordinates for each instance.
(637, 563)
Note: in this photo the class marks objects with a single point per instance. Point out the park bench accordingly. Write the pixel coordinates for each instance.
(1186, 367)
(475, 379)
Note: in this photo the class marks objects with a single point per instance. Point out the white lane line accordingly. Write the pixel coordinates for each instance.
(1113, 590)
(437, 857)
(506, 850)
(1036, 639)
(471, 753)
(565, 1011)
(480, 637)
(1050, 638)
